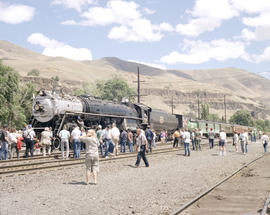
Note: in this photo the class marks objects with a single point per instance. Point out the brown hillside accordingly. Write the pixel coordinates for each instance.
(243, 89)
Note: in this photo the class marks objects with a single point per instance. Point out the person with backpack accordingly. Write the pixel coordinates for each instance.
(29, 136)
(149, 136)
(265, 140)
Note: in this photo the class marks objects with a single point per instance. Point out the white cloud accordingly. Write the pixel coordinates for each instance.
(220, 9)
(260, 34)
(159, 66)
(75, 4)
(164, 26)
(117, 11)
(196, 52)
(139, 31)
(16, 13)
(206, 16)
(55, 48)
(197, 26)
(251, 6)
(132, 26)
(264, 57)
(259, 21)
(149, 11)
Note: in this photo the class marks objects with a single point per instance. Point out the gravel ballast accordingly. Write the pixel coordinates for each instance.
(171, 180)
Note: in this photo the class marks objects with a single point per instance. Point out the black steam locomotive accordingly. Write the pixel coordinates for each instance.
(57, 109)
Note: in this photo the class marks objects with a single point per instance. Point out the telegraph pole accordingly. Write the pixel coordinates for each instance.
(139, 90)
(138, 86)
(225, 108)
(198, 106)
(172, 105)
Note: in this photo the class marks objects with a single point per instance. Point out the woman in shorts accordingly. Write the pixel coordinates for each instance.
(91, 156)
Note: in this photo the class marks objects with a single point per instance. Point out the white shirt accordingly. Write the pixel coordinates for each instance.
(115, 132)
(222, 135)
(186, 137)
(76, 133)
(265, 138)
(64, 134)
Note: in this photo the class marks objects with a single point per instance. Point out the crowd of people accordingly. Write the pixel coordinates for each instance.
(107, 140)
(186, 136)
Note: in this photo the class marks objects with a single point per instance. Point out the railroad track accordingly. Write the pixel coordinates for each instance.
(192, 202)
(58, 155)
(51, 164)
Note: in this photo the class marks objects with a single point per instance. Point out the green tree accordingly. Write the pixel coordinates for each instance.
(116, 88)
(15, 100)
(33, 72)
(205, 111)
(242, 117)
(213, 117)
(86, 89)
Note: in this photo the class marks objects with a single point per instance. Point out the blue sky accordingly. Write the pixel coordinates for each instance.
(173, 34)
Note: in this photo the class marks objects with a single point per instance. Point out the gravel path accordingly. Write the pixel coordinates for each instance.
(169, 182)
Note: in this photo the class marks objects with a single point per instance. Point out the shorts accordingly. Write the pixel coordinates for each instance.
(92, 163)
(221, 143)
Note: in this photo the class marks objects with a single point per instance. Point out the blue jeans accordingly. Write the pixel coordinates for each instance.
(193, 144)
(4, 151)
(77, 148)
(109, 147)
(265, 146)
(123, 145)
(246, 148)
(141, 155)
(150, 145)
(130, 146)
(211, 143)
(101, 148)
(187, 151)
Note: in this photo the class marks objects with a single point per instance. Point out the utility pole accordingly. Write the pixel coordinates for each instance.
(172, 105)
(139, 90)
(225, 108)
(198, 106)
(138, 86)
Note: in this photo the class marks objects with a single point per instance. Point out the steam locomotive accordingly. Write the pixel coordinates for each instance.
(56, 109)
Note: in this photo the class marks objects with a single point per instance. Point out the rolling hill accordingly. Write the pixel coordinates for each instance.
(243, 89)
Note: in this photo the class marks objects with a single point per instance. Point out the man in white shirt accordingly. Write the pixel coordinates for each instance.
(142, 147)
(107, 140)
(75, 136)
(186, 140)
(222, 141)
(115, 137)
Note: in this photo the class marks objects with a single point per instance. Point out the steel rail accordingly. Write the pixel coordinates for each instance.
(264, 210)
(71, 162)
(192, 201)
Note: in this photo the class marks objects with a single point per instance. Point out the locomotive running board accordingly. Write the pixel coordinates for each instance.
(103, 115)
